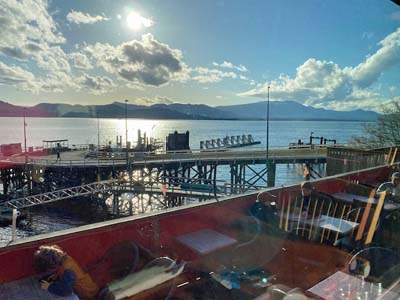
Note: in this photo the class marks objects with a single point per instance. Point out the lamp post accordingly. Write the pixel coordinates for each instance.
(25, 154)
(267, 148)
(128, 165)
(126, 130)
(98, 134)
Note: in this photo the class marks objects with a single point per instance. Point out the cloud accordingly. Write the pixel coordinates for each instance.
(57, 83)
(387, 56)
(96, 85)
(29, 33)
(78, 17)
(136, 21)
(145, 61)
(24, 23)
(14, 52)
(315, 81)
(151, 101)
(18, 77)
(230, 65)
(324, 83)
(205, 75)
(53, 59)
(14, 75)
(373, 104)
(81, 61)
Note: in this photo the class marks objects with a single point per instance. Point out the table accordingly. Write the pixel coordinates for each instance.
(335, 224)
(341, 285)
(28, 288)
(205, 241)
(349, 198)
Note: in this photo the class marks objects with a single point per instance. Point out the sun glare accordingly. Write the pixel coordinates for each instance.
(135, 21)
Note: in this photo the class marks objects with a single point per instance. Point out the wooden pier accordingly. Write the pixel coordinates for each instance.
(29, 181)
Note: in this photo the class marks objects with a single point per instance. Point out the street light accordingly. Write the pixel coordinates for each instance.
(126, 130)
(268, 124)
(25, 154)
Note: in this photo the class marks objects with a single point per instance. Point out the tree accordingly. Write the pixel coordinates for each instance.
(385, 132)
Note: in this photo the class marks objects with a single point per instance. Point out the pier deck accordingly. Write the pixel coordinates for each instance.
(78, 159)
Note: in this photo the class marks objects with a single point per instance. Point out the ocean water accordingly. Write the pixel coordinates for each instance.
(85, 131)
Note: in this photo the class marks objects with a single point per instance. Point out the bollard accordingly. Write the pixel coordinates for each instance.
(15, 214)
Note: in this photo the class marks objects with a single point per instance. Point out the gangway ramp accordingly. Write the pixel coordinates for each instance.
(115, 185)
(77, 191)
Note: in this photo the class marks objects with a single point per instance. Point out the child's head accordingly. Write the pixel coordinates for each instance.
(48, 258)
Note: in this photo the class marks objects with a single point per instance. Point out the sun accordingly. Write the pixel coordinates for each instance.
(136, 21)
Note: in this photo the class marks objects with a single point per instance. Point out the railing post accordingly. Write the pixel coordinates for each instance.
(14, 224)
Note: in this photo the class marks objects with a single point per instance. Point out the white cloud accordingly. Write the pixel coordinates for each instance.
(29, 33)
(324, 83)
(78, 17)
(315, 81)
(53, 59)
(26, 81)
(96, 84)
(57, 83)
(151, 101)
(81, 61)
(205, 75)
(373, 104)
(387, 56)
(229, 65)
(13, 75)
(145, 62)
(23, 24)
(135, 21)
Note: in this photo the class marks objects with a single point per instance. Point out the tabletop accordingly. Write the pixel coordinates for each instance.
(336, 224)
(205, 241)
(349, 198)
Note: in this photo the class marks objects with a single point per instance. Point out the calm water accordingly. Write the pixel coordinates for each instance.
(85, 131)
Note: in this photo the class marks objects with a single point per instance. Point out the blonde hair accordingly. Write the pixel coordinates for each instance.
(48, 257)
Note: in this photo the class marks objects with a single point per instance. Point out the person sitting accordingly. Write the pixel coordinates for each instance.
(392, 188)
(308, 197)
(63, 276)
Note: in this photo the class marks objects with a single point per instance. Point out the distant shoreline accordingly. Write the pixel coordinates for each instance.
(201, 119)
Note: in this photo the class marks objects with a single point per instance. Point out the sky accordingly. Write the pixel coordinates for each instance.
(340, 55)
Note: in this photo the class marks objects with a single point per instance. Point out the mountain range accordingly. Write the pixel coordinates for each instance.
(282, 110)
